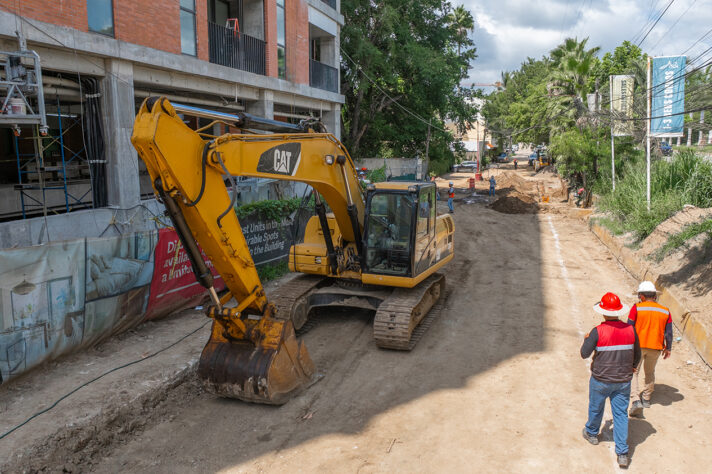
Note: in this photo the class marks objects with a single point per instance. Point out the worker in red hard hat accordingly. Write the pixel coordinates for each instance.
(616, 353)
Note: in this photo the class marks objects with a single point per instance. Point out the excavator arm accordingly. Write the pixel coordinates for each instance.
(253, 353)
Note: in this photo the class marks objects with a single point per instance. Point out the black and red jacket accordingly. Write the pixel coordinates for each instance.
(617, 351)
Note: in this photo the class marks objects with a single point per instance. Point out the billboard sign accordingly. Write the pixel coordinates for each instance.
(668, 96)
(621, 104)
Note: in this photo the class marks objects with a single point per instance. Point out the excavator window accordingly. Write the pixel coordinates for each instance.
(388, 233)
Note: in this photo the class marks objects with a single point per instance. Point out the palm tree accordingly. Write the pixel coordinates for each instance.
(462, 22)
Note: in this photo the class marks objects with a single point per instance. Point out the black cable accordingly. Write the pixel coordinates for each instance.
(71, 392)
(656, 22)
(202, 182)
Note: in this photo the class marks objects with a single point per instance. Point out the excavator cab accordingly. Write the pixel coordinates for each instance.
(400, 227)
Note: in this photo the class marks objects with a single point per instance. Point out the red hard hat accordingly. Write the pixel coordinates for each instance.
(610, 305)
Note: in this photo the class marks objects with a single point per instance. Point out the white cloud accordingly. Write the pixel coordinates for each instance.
(509, 31)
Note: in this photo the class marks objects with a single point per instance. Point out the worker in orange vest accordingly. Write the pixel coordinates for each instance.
(451, 197)
(653, 324)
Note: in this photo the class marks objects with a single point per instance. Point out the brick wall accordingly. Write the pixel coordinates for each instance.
(297, 15)
(155, 23)
(71, 13)
(272, 68)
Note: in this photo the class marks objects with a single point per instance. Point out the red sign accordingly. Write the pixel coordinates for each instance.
(174, 285)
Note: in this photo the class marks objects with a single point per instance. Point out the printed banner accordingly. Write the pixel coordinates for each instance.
(174, 285)
(622, 104)
(668, 96)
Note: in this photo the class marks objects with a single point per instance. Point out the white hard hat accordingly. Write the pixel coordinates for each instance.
(451, 183)
(646, 287)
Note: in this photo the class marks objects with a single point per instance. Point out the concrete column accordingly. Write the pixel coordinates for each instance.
(264, 107)
(122, 179)
(332, 120)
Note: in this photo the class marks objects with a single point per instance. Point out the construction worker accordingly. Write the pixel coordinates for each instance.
(515, 163)
(451, 197)
(616, 353)
(493, 183)
(653, 324)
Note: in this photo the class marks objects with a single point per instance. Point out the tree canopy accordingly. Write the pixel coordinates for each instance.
(401, 60)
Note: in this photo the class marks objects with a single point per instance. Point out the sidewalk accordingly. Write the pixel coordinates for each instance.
(107, 410)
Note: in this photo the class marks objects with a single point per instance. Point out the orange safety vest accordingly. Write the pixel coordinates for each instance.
(452, 194)
(650, 324)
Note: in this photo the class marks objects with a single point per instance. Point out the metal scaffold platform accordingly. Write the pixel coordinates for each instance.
(52, 167)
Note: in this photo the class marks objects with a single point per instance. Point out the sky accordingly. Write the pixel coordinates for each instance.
(509, 31)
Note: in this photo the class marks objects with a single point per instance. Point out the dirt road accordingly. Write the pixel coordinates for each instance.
(497, 384)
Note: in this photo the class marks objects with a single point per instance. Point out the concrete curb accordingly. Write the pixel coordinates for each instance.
(692, 329)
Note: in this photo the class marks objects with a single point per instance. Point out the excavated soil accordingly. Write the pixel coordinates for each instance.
(515, 203)
(673, 225)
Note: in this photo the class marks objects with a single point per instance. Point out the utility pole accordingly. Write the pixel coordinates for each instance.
(427, 150)
(647, 140)
(613, 143)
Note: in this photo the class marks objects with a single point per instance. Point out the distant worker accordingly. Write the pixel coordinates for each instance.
(493, 183)
(451, 197)
(580, 193)
(515, 163)
(616, 354)
(653, 324)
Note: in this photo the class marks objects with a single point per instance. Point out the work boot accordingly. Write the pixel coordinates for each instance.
(636, 409)
(590, 438)
(623, 460)
(646, 403)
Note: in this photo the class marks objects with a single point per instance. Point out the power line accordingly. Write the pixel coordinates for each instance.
(700, 39)
(395, 101)
(656, 22)
(673, 25)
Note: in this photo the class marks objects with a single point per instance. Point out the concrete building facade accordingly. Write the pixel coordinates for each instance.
(273, 58)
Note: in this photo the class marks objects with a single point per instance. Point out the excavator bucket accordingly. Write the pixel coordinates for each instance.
(269, 372)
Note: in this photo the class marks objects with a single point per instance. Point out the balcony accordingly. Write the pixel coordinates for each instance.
(236, 50)
(323, 77)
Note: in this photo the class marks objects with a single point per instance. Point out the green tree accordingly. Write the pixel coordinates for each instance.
(400, 55)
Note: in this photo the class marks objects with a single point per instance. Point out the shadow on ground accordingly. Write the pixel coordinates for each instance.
(495, 312)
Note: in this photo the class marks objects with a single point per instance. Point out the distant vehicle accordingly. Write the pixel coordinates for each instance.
(502, 158)
(532, 159)
(467, 166)
(515, 147)
(665, 148)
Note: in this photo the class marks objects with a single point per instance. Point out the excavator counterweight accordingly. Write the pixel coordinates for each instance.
(377, 249)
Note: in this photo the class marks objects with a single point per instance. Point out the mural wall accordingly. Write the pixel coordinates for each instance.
(63, 296)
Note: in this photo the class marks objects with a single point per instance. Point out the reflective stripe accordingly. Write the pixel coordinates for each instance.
(653, 308)
(621, 347)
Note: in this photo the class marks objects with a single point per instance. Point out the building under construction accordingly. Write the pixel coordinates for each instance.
(85, 251)
(100, 58)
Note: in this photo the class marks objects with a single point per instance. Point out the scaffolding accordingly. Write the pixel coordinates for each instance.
(51, 167)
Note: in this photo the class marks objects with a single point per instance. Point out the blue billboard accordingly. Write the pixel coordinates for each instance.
(668, 96)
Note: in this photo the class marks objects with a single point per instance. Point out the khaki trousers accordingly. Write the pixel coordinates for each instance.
(648, 360)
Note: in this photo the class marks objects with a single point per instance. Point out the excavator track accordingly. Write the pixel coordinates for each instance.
(290, 299)
(403, 318)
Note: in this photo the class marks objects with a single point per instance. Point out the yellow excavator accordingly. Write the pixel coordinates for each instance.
(377, 249)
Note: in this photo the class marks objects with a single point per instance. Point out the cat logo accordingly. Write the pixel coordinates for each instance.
(281, 159)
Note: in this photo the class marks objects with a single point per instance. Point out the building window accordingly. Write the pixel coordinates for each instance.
(281, 41)
(100, 14)
(187, 27)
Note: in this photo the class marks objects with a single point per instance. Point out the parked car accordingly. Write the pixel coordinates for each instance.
(468, 166)
(502, 158)
(665, 148)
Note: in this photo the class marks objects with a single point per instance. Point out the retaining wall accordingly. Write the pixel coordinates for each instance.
(693, 328)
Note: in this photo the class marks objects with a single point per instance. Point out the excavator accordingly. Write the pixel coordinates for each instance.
(377, 248)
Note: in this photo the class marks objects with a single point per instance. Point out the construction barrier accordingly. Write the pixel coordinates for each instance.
(60, 297)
